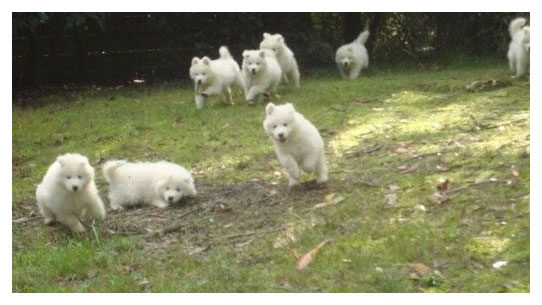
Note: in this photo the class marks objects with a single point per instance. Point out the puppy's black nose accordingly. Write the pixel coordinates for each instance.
(253, 70)
(199, 81)
(281, 135)
(346, 64)
(170, 198)
(75, 187)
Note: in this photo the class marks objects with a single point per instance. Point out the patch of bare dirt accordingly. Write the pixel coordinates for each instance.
(219, 214)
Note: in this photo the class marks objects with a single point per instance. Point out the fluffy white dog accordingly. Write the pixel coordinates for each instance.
(353, 57)
(213, 77)
(285, 57)
(298, 143)
(68, 191)
(155, 183)
(520, 46)
(261, 73)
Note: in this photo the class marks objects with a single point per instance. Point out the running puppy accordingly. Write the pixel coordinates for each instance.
(285, 57)
(298, 143)
(213, 77)
(520, 47)
(353, 57)
(261, 73)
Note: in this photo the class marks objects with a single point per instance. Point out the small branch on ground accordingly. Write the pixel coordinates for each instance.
(254, 233)
(174, 227)
(363, 152)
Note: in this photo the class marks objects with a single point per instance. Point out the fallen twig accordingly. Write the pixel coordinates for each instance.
(254, 233)
(338, 109)
(363, 152)
(457, 189)
(25, 219)
(174, 227)
(361, 102)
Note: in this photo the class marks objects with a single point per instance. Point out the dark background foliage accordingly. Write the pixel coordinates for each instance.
(60, 48)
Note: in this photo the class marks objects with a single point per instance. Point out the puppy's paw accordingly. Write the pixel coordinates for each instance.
(160, 204)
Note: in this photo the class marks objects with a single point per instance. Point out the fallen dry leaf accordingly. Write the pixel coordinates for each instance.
(243, 244)
(329, 200)
(197, 250)
(391, 196)
(443, 185)
(420, 268)
(402, 167)
(418, 271)
(412, 168)
(514, 171)
(499, 264)
(403, 148)
(307, 258)
(442, 168)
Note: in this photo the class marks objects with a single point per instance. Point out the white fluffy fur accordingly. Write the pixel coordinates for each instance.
(261, 73)
(353, 57)
(155, 183)
(213, 77)
(68, 191)
(285, 57)
(298, 143)
(519, 49)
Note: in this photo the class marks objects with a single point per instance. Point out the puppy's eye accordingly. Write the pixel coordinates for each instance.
(178, 189)
(285, 124)
(274, 50)
(69, 177)
(274, 126)
(80, 177)
(167, 188)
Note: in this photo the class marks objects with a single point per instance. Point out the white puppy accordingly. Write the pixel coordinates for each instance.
(261, 73)
(155, 183)
(520, 46)
(213, 77)
(68, 191)
(284, 55)
(353, 57)
(298, 143)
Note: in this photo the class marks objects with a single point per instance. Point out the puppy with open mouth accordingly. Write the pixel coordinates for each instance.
(298, 144)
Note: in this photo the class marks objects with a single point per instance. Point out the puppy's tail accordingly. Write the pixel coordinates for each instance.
(224, 52)
(362, 38)
(516, 25)
(110, 166)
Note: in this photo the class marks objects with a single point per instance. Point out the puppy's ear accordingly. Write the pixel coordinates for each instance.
(269, 108)
(266, 35)
(349, 50)
(84, 162)
(262, 54)
(290, 107)
(60, 160)
(280, 38)
(195, 61)
(206, 60)
(245, 53)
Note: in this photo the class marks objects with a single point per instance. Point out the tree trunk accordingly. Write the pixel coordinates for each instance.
(352, 26)
(374, 25)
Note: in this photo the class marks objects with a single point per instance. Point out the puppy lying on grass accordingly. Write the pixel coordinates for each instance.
(153, 183)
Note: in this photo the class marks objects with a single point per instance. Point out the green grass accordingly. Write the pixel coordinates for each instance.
(480, 136)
